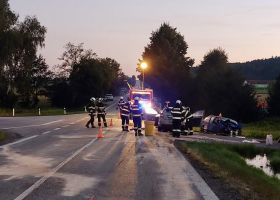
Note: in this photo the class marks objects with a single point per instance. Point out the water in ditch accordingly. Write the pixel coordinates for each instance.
(262, 162)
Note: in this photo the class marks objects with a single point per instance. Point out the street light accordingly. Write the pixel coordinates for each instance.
(143, 65)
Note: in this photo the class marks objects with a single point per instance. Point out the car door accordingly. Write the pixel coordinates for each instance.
(213, 125)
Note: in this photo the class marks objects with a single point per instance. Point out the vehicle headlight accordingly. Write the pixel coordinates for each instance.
(149, 110)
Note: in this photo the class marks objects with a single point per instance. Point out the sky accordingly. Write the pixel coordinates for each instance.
(120, 29)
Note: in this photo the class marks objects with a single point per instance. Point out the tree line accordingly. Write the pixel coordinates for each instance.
(24, 74)
(215, 87)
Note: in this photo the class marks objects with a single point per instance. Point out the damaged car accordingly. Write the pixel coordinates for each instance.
(221, 125)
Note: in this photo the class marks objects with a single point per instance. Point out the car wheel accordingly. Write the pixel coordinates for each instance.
(159, 128)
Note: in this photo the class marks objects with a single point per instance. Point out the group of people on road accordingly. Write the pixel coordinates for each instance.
(99, 107)
(181, 114)
(126, 109)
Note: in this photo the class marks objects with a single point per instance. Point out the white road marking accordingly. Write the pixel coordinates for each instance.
(19, 141)
(52, 172)
(46, 132)
(111, 105)
(34, 125)
(65, 126)
(56, 129)
(72, 123)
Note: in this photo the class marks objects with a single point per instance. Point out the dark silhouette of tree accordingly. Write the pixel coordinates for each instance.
(221, 89)
(274, 98)
(167, 63)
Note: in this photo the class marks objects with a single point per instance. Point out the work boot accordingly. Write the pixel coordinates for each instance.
(135, 133)
(93, 127)
(191, 133)
(87, 126)
(105, 124)
(140, 134)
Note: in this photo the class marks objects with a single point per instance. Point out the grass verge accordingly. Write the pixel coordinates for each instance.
(262, 128)
(226, 163)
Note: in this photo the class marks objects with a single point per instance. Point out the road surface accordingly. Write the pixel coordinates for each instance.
(59, 158)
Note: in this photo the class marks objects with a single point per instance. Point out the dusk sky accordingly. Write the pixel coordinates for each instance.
(120, 29)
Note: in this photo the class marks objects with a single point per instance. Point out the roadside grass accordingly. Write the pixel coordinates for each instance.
(262, 128)
(2, 136)
(226, 162)
(45, 109)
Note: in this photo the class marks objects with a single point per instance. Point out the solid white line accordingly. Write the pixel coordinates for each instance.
(111, 105)
(56, 129)
(34, 125)
(52, 172)
(46, 132)
(6, 145)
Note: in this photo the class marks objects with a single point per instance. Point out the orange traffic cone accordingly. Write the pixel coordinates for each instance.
(100, 133)
(119, 116)
(111, 124)
(220, 115)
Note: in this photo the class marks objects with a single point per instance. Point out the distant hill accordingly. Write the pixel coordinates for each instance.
(264, 69)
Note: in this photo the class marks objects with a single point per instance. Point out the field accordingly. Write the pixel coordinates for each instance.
(45, 109)
(227, 163)
(262, 128)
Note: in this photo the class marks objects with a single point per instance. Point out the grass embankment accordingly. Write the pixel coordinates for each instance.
(45, 108)
(225, 161)
(2, 136)
(262, 128)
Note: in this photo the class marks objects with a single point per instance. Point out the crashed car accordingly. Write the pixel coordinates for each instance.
(222, 125)
(164, 119)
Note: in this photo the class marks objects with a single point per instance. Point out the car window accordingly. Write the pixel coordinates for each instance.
(212, 119)
(207, 119)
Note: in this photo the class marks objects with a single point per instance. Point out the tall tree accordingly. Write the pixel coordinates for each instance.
(167, 63)
(221, 89)
(274, 98)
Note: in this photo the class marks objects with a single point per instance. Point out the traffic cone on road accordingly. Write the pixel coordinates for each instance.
(100, 135)
(111, 124)
(119, 116)
(220, 115)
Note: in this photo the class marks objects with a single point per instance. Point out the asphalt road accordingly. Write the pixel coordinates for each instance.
(59, 158)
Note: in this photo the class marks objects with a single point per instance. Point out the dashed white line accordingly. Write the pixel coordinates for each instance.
(46, 132)
(19, 141)
(56, 129)
(65, 126)
(33, 125)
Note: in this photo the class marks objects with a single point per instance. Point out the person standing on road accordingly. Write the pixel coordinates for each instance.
(177, 113)
(189, 121)
(92, 111)
(137, 116)
(120, 104)
(101, 112)
(125, 111)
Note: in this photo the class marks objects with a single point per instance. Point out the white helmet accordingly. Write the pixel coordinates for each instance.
(92, 99)
(100, 99)
(179, 102)
(136, 98)
(121, 98)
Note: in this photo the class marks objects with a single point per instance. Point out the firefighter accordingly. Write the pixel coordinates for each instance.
(125, 111)
(92, 111)
(120, 104)
(189, 121)
(177, 113)
(101, 112)
(137, 116)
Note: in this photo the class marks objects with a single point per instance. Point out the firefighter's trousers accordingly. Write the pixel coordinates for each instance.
(91, 120)
(137, 125)
(125, 122)
(176, 127)
(99, 116)
(189, 125)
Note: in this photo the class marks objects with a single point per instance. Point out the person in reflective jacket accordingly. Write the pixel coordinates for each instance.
(101, 112)
(177, 113)
(189, 121)
(92, 111)
(120, 104)
(137, 116)
(125, 111)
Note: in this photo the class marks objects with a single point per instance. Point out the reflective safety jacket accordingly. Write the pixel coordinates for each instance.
(188, 116)
(125, 109)
(136, 109)
(92, 108)
(100, 108)
(177, 112)
(121, 103)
